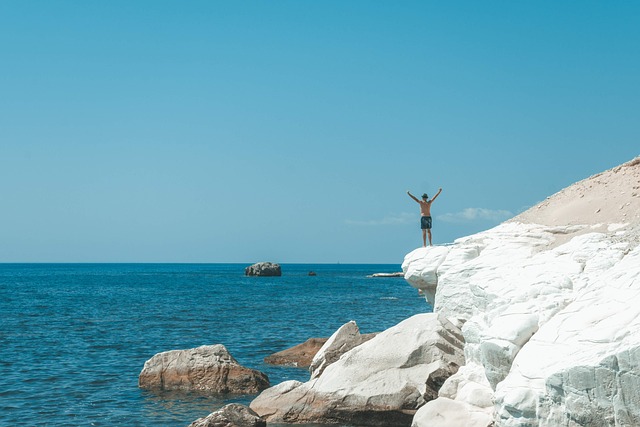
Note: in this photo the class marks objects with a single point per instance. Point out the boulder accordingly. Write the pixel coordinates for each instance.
(207, 369)
(300, 355)
(379, 383)
(263, 269)
(465, 399)
(232, 415)
(344, 339)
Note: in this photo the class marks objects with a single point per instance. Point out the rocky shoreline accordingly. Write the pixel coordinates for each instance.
(536, 322)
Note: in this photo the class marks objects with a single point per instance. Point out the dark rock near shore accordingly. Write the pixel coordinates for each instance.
(232, 415)
(300, 355)
(207, 369)
(263, 269)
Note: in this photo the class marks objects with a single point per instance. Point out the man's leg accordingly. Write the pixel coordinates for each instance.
(424, 238)
(430, 244)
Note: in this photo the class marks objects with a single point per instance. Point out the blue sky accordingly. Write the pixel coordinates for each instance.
(290, 131)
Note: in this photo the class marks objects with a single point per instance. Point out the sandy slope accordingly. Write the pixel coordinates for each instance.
(610, 197)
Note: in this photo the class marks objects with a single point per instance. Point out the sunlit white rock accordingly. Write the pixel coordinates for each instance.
(375, 383)
(549, 305)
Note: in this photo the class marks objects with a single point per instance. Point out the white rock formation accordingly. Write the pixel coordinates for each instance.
(420, 269)
(379, 382)
(348, 336)
(550, 308)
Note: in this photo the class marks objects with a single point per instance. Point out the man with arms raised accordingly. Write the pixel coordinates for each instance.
(425, 215)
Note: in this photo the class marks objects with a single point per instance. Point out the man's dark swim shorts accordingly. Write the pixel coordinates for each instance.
(425, 222)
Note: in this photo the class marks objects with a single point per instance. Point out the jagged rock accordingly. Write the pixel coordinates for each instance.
(206, 368)
(344, 339)
(300, 355)
(232, 415)
(263, 269)
(379, 383)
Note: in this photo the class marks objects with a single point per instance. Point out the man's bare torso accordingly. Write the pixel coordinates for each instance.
(425, 208)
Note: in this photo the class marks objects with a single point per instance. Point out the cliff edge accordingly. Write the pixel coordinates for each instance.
(549, 307)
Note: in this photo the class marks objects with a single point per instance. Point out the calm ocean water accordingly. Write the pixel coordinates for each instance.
(74, 337)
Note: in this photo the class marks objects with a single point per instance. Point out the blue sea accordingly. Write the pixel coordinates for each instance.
(74, 337)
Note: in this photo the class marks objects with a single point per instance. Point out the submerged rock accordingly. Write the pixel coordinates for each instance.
(263, 269)
(379, 383)
(300, 355)
(207, 368)
(232, 415)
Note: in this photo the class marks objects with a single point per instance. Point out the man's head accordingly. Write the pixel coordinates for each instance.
(424, 196)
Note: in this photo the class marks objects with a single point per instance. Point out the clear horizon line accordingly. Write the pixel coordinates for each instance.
(193, 263)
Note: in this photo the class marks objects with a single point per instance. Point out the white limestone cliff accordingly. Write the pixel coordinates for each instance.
(549, 306)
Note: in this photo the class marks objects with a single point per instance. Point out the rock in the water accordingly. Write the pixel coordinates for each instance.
(379, 383)
(232, 415)
(344, 339)
(312, 273)
(300, 355)
(383, 275)
(263, 269)
(206, 368)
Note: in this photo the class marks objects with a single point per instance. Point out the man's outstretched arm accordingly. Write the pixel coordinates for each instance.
(414, 197)
(437, 194)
